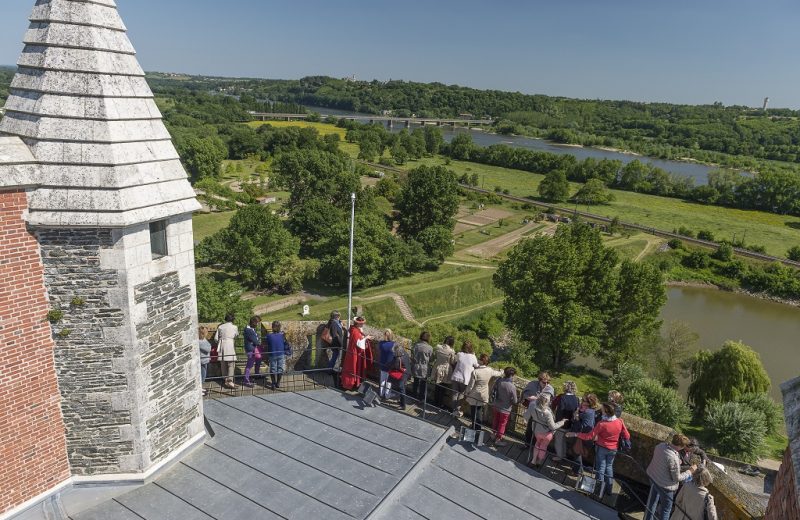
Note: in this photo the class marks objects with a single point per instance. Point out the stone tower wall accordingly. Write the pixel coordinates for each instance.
(32, 441)
(126, 356)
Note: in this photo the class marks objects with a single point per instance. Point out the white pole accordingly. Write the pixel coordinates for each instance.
(352, 234)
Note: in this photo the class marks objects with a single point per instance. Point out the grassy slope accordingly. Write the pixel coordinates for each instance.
(206, 224)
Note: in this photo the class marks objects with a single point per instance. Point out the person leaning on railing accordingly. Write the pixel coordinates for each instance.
(606, 436)
(478, 390)
(224, 337)
(665, 477)
(444, 359)
(505, 398)
(544, 425)
(466, 363)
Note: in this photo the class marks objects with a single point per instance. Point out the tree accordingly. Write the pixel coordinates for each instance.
(218, 297)
(437, 241)
(433, 140)
(726, 375)
(639, 296)
(258, 249)
(461, 147)
(593, 192)
(793, 253)
(202, 157)
(737, 430)
(558, 291)
(554, 186)
(429, 198)
(670, 353)
(633, 176)
(399, 154)
(316, 174)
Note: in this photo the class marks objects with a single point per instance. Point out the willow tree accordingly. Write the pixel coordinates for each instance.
(726, 375)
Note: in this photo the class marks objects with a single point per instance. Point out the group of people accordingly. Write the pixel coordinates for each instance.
(575, 425)
(272, 347)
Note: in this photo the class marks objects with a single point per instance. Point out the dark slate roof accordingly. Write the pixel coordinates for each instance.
(321, 455)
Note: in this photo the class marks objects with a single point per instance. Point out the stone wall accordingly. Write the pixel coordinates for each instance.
(33, 450)
(92, 380)
(128, 369)
(784, 503)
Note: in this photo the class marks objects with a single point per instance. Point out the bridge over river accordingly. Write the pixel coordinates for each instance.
(388, 120)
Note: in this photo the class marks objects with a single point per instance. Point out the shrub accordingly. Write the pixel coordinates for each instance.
(665, 404)
(636, 404)
(626, 377)
(704, 234)
(762, 402)
(724, 253)
(738, 431)
(686, 232)
(697, 260)
(794, 253)
(675, 243)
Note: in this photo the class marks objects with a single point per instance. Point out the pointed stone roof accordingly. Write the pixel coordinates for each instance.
(81, 105)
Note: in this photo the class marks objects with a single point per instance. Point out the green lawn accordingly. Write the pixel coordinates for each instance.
(206, 224)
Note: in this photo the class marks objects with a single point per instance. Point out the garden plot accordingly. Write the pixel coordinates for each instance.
(498, 245)
(485, 217)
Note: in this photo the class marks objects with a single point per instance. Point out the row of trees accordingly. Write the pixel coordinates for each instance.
(652, 128)
(772, 191)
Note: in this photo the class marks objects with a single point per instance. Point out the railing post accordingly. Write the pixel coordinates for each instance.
(425, 400)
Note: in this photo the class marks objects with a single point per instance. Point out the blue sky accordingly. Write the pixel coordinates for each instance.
(685, 51)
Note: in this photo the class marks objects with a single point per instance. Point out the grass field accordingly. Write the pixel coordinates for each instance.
(322, 128)
(206, 224)
(776, 232)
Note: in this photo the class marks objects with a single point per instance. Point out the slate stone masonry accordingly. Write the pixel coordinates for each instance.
(168, 361)
(87, 359)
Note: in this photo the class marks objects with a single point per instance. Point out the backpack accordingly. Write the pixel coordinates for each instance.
(494, 392)
(326, 335)
(624, 444)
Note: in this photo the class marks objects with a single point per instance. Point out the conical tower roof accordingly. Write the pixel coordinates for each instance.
(80, 103)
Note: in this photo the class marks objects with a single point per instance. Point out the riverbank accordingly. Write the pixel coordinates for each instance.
(738, 290)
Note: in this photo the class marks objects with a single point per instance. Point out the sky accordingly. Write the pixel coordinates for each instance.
(681, 51)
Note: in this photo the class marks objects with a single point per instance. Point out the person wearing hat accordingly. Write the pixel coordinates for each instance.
(358, 357)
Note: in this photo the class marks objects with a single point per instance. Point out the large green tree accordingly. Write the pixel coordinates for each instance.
(726, 375)
(639, 296)
(217, 296)
(259, 250)
(429, 198)
(202, 156)
(560, 292)
(593, 192)
(555, 187)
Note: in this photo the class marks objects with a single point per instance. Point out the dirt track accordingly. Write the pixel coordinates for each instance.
(501, 243)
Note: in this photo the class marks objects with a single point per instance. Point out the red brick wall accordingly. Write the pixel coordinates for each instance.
(783, 503)
(33, 453)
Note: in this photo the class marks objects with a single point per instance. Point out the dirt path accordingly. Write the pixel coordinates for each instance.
(653, 243)
(498, 245)
(475, 266)
(285, 303)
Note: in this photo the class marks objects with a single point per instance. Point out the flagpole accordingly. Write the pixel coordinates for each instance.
(350, 283)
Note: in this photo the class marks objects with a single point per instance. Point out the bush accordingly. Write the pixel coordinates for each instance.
(636, 404)
(675, 243)
(704, 234)
(794, 253)
(737, 430)
(626, 377)
(665, 404)
(697, 260)
(773, 412)
(724, 253)
(686, 232)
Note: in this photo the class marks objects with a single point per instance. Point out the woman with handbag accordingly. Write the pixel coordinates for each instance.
(252, 347)
(584, 421)
(398, 374)
(606, 436)
(694, 502)
(478, 391)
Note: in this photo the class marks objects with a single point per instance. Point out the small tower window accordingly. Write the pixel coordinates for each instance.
(158, 238)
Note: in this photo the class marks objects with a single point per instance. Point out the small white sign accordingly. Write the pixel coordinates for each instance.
(306, 310)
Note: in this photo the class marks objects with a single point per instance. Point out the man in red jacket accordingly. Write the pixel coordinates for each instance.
(606, 435)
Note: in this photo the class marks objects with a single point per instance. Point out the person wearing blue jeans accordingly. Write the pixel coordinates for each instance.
(277, 348)
(665, 477)
(604, 465)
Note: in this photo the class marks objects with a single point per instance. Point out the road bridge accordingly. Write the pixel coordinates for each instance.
(388, 120)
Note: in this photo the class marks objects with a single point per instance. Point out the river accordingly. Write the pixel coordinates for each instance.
(698, 172)
(771, 329)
